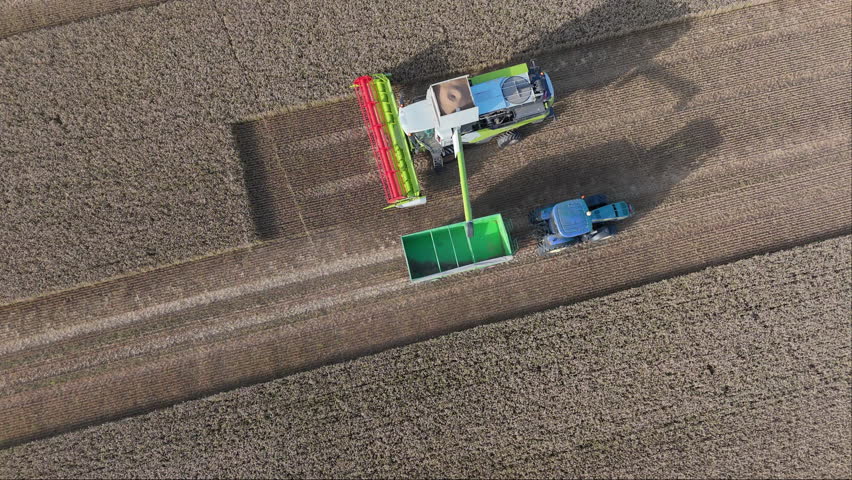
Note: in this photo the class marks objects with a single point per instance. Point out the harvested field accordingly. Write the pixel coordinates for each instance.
(716, 139)
(116, 132)
(735, 371)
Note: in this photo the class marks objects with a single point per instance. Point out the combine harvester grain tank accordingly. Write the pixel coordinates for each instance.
(462, 110)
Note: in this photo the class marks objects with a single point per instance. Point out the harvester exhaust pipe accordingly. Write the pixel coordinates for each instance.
(468, 215)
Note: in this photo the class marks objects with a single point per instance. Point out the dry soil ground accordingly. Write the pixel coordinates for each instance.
(740, 370)
(729, 134)
(116, 143)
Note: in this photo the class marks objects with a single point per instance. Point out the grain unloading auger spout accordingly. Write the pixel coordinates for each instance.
(390, 144)
(468, 212)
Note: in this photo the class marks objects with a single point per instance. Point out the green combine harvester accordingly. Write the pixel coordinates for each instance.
(454, 112)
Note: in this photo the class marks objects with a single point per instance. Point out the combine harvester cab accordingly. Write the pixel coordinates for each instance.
(505, 100)
(390, 144)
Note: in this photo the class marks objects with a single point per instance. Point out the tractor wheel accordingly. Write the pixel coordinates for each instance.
(508, 138)
(533, 217)
(539, 232)
(603, 233)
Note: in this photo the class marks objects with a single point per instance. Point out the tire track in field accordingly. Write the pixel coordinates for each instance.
(24, 16)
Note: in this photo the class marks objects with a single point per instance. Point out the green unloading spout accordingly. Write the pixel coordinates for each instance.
(468, 214)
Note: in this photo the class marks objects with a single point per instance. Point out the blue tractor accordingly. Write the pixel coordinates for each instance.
(586, 219)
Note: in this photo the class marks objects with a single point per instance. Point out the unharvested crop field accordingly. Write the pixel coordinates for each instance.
(729, 134)
(740, 370)
(17, 16)
(116, 133)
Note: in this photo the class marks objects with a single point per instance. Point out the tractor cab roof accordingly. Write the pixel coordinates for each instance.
(571, 218)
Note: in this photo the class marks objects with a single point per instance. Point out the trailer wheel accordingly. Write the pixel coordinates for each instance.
(508, 138)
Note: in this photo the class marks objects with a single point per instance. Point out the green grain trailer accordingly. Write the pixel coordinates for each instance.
(446, 250)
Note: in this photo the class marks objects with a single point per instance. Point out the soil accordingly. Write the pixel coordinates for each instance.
(729, 135)
(740, 370)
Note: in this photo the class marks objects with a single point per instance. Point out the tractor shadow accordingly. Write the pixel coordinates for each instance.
(620, 169)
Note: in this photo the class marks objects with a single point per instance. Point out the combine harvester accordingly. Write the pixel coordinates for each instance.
(491, 106)
(454, 112)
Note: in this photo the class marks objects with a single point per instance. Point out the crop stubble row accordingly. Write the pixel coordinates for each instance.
(428, 314)
(735, 370)
(162, 334)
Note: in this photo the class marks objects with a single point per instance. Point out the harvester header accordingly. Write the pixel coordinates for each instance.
(390, 145)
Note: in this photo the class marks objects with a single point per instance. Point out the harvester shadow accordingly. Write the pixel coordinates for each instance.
(620, 169)
(556, 53)
(260, 178)
(413, 76)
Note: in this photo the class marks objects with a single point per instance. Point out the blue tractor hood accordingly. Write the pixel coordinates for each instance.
(571, 218)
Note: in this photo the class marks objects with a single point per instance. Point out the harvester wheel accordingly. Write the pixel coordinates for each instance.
(437, 163)
(508, 138)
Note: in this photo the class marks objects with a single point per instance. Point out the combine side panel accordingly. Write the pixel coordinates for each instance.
(519, 69)
(390, 147)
